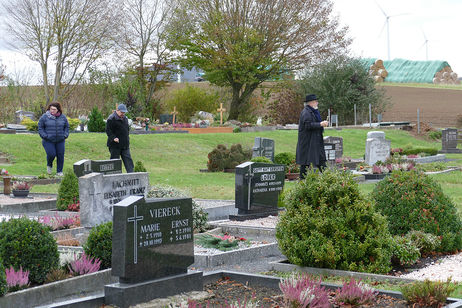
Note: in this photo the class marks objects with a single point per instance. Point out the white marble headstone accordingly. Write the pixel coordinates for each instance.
(377, 147)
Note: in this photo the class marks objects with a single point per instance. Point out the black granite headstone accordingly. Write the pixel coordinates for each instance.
(86, 166)
(449, 141)
(152, 238)
(258, 186)
(166, 118)
(338, 143)
(263, 147)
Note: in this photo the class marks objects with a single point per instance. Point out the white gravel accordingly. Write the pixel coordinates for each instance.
(265, 222)
(450, 266)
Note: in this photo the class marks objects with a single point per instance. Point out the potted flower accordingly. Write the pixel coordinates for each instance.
(6, 181)
(293, 171)
(21, 189)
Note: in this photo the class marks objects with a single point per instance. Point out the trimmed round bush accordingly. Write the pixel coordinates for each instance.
(329, 224)
(28, 244)
(68, 191)
(3, 285)
(411, 201)
(99, 244)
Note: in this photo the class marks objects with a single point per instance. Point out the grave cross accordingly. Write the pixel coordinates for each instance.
(174, 112)
(221, 110)
(135, 220)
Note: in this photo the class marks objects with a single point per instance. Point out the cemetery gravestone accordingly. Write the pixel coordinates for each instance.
(257, 188)
(377, 147)
(98, 193)
(20, 115)
(166, 118)
(86, 166)
(329, 148)
(151, 251)
(338, 144)
(263, 147)
(449, 141)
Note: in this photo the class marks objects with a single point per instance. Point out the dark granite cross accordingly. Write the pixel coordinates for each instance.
(135, 220)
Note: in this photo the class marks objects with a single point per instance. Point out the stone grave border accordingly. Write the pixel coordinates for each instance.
(28, 206)
(97, 298)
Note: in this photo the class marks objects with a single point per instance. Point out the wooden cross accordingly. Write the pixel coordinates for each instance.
(174, 112)
(221, 110)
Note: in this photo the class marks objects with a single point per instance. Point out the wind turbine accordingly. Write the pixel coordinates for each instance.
(426, 45)
(387, 23)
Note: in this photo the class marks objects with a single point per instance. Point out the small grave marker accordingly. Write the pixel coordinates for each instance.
(377, 147)
(174, 113)
(263, 147)
(221, 110)
(449, 140)
(329, 148)
(338, 143)
(86, 166)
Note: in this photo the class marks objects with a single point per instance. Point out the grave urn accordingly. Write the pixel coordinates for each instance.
(7, 185)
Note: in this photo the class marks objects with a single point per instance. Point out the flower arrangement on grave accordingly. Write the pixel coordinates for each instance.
(84, 265)
(21, 185)
(293, 167)
(221, 242)
(4, 172)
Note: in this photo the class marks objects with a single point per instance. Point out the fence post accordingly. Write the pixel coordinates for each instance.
(418, 121)
(355, 114)
(370, 115)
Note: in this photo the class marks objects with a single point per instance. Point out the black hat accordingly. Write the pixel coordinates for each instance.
(310, 97)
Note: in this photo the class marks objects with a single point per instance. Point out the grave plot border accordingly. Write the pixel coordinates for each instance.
(27, 206)
(97, 300)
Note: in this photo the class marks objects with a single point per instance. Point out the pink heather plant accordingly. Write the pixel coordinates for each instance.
(354, 294)
(57, 222)
(84, 265)
(303, 291)
(16, 280)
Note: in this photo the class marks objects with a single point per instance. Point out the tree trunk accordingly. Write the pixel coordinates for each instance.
(45, 84)
(235, 102)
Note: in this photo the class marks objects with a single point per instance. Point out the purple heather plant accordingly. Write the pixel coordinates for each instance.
(16, 280)
(354, 294)
(84, 265)
(57, 222)
(304, 291)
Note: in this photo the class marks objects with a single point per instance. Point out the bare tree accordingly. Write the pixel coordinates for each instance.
(143, 38)
(241, 43)
(69, 34)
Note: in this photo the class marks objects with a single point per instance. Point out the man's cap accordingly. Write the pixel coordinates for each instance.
(122, 108)
(310, 97)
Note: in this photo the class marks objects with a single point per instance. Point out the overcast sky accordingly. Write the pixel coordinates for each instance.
(437, 20)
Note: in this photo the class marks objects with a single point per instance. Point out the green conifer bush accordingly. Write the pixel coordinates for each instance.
(68, 191)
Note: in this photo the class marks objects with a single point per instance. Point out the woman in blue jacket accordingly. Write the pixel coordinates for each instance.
(53, 127)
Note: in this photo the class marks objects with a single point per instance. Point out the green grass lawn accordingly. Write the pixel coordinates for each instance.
(175, 159)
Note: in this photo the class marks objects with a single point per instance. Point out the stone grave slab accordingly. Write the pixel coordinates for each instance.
(263, 147)
(99, 193)
(257, 187)
(151, 251)
(377, 147)
(449, 139)
(86, 166)
(338, 143)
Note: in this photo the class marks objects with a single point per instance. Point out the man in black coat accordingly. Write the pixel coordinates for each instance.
(310, 145)
(118, 139)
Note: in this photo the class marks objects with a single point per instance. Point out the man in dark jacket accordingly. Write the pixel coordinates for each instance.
(118, 139)
(310, 145)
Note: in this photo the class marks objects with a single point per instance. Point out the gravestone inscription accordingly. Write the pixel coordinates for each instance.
(377, 147)
(329, 148)
(263, 147)
(449, 141)
(86, 166)
(257, 187)
(338, 144)
(98, 193)
(152, 247)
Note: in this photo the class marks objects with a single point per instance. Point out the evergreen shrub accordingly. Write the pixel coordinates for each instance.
(31, 125)
(405, 252)
(426, 242)
(139, 167)
(284, 158)
(28, 244)
(222, 158)
(329, 224)
(95, 121)
(427, 293)
(165, 191)
(68, 191)
(261, 159)
(73, 123)
(99, 244)
(411, 201)
(3, 285)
